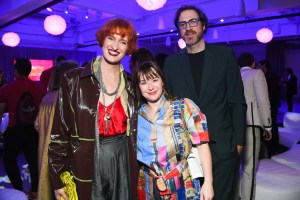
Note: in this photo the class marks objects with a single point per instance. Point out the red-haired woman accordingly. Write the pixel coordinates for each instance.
(94, 130)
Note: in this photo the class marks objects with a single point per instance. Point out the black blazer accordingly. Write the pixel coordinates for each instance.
(221, 96)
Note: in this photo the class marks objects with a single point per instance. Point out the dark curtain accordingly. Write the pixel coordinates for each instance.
(275, 54)
(9, 53)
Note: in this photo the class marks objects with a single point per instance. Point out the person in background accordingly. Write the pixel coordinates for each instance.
(162, 148)
(94, 137)
(160, 59)
(291, 88)
(46, 74)
(21, 98)
(274, 91)
(258, 118)
(209, 75)
(44, 123)
(2, 78)
(138, 57)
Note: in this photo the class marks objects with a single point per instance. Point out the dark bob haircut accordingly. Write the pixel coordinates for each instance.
(149, 70)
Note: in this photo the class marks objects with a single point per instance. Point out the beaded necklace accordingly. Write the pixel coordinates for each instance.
(107, 115)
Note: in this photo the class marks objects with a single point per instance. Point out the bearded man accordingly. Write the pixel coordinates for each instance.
(209, 75)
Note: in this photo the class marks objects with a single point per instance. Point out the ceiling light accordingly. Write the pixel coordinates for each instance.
(264, 35)
(55, 24)
(49, 9)
(151, 4)
(11, 39)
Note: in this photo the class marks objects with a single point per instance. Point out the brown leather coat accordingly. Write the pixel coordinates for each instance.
(73, 132)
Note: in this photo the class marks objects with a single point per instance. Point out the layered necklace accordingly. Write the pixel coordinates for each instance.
(107, 115)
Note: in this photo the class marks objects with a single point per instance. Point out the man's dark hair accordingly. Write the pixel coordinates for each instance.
(245, 59)
(266, 63)
(201, 15)
(160, 59)
(58, 59)
(289, 70)
(23, 66)
(142, 55)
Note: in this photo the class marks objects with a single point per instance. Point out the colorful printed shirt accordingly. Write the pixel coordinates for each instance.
(163, 144)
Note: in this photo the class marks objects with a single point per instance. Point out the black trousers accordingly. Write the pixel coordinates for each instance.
(289, 101)
(16, 140)
(111, 179)
(224, 174)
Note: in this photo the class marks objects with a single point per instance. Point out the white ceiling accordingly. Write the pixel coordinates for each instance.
(26, 17)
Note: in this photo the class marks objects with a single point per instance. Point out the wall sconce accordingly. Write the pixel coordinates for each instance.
(168, 41)
(55, 24)
(215, 34)
(264, 35)
(11, 39)
(151, 4)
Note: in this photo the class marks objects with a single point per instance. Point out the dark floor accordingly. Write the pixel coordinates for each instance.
(5, 183)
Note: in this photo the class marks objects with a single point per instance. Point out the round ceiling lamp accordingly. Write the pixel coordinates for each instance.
(264, 35)
(151, 4)
(181, 43)
(55, 24)
(11, 39)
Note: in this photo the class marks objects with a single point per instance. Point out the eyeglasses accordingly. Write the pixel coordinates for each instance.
(192, 22)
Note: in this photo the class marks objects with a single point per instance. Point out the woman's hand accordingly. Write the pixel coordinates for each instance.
(206, 191)
(60, 194)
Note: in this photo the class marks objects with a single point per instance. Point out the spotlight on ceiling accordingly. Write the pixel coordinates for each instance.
(151, 4)
(11, 39)
(264, 35)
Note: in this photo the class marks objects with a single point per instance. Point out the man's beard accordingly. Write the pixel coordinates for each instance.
(194, 41)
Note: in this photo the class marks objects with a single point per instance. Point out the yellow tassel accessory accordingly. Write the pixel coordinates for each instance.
(70, 187)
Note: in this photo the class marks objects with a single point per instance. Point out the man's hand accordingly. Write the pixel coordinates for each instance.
(268, 135)
(239, 149)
